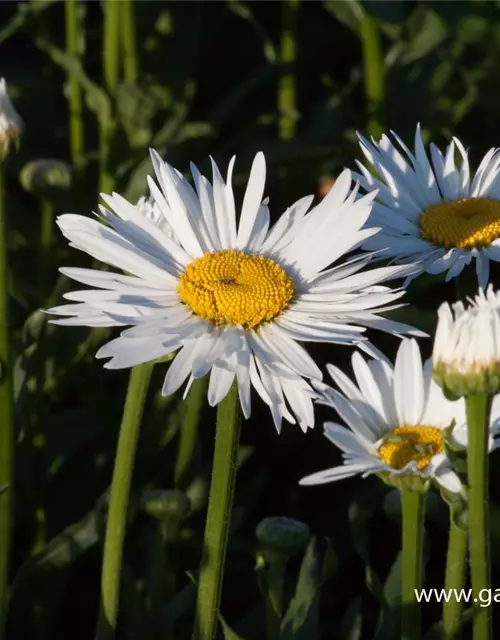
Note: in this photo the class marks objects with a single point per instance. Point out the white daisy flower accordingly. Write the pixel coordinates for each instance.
(235, 300)
(10, 121)
(466, 353)
(432, 210)
(148, 207)
(395, 417)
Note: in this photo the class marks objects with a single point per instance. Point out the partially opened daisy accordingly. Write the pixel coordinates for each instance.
(233, 299)
(395, 417)
(432, 209)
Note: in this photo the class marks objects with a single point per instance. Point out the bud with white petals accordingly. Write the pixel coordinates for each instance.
(466, 355)
(10, 121)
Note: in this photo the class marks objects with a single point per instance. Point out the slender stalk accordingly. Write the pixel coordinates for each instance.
(287, 93)
(74, 38)
(118, 501)
(6, 418)
(111, 43)
(218, 517)
(106, 134)
(130, 59)
(46, 237)
(413, 507)
(373, 64)
(111, 69)
(189, 433)
(454, 581)
(478, 412)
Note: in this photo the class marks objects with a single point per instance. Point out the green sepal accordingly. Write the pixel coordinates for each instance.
(405, 482)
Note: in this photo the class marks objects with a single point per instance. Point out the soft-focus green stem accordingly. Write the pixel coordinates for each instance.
(6, 418)
(74, 38)
(189, 432)
(106, 134)
(373, 65)
(118, 501)
(111, 70)
(130, 59)
(287, 94)
(454, 581)
(218, 517)
(46, 237)
(111, 43)
(413, 508)
(478, 414)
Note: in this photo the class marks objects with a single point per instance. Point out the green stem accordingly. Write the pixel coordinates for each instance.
(106, 134)
(478, 410)
(189, 433)
(413, 507)
(373, 64)
(46, 237)
(118, 501)
(6, 418)
(111, 43)
(218, 517)
(287, 93)
(74, 38)
(130, 59)
(454, 580)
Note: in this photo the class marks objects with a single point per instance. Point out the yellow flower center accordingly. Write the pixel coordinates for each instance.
(467, 223)
(234, 287)
(405, 444)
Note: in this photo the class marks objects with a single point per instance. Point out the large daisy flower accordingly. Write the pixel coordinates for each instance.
(433, 210)
(395, 417)
(233, 300)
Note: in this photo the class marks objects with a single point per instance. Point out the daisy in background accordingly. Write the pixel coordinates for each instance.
(432, 210)
(233, 299)
(395, 417)
(10, 121)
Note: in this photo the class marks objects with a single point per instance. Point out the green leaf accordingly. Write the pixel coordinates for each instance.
(39, 584)
(301, 621)
(389, 619)
(243, 11)
(348, 13)
(228, 633)
(359, 537)
(351, 626)
(426, 31)
(97, 99)
(25, 12)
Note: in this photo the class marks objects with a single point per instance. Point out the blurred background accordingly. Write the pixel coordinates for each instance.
(97, 84)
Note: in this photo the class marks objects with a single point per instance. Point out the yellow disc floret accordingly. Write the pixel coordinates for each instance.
(467, 223)
(234, 287)
(405, 444)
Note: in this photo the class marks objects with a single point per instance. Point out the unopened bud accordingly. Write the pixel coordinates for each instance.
(466, 355)
(44, 177)
(286, 535)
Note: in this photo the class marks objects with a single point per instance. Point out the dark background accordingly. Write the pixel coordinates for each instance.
(209, 78)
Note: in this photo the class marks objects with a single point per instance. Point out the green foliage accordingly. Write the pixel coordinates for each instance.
(207, 85)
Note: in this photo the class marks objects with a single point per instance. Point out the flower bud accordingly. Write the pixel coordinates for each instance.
(466, 355)
(44, 177)
(286, 535)
(10, 121)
